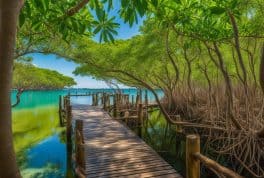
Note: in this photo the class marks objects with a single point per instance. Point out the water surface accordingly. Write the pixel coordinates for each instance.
(39, 140)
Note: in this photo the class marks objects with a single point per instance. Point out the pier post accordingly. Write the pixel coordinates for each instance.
(140, 95)
(178, 127)
(93, 100)
(126, 117)
(79, 141)
(96, 99)
(146, 98)
(115, 106)
(137, 100)
(192, 164)
(64, 102)
(60, 111)
(140, 114)
(103, 99)
(107, 102)
(132, 102)
(69, 124)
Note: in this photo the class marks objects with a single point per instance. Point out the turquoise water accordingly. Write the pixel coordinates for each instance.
(38, 138)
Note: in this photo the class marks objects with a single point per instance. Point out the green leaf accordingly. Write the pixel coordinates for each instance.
(110, 36)
(27, 8)
(45, 4)
(154, 3)
(217, 10)
(97, 29)
(36, 25)
(234, 4)
(21, 19)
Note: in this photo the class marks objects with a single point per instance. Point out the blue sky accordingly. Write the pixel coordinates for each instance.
(67, 67)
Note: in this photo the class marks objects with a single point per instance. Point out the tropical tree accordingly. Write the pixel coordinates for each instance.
(65, 19)
(204, 56)
(28, 77)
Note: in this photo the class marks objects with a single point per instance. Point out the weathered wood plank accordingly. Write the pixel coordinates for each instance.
(113, 150)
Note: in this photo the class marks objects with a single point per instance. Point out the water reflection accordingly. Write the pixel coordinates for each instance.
(46, 159)
(39, 143)
(38, 139)
(163, 138)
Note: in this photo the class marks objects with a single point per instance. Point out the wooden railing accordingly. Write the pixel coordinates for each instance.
(194, 158)
(121, 106)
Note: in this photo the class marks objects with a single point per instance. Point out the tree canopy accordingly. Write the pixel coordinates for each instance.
(28, 77)
(204, 55)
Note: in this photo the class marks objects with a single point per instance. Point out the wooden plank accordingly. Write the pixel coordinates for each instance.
(113, 150)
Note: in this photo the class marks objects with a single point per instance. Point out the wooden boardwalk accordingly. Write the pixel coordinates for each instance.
(113, 150)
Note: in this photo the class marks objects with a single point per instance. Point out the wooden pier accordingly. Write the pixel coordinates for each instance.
(110, 149)
(102, 145)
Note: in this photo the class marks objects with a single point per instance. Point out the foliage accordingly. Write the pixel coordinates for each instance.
(27, 76)
(202, 54)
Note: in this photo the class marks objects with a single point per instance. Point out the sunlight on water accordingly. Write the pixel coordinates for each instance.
(39, 140)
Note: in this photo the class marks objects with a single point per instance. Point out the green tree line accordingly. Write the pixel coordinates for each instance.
(28, 77)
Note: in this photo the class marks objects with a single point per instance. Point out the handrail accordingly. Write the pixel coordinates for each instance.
(194, 158)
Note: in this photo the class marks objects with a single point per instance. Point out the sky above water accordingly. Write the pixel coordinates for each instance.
(67, 67)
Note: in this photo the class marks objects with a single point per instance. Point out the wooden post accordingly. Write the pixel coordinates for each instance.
(127, 101)
(69, 126)
(79, 144)
(137, 100)
(102, 99)
(64, 102)
(60, 111)
(132, 102)
(115, 106)
(178, 127)
(107, 102)
(192, 164)
(140, 95)
(93, 100)
(79, 153)
(126, 116)
(96, 99)
(146, 98)
(140, 114)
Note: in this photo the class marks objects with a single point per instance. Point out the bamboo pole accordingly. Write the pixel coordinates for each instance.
(192, 164)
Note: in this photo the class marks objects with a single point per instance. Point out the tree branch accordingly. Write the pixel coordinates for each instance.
(19, 92)
(75, 9)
